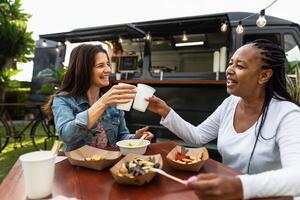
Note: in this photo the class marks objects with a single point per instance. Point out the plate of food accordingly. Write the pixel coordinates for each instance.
(92, 157)
(135, 169)
(187, 159)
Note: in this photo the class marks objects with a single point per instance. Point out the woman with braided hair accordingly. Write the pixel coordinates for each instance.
(257, 127)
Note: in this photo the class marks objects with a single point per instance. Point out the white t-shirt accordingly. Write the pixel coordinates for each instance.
(279, 147)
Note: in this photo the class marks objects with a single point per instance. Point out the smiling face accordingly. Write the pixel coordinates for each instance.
(101, 71)
(245, 76)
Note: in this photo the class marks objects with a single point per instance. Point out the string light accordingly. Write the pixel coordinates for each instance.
(224, 27)
(240, 28)
(120, 39)
(261, 21)
(57, 49)
(148, 36)
(184, 37)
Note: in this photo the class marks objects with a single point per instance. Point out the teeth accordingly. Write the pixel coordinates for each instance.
(230, 82)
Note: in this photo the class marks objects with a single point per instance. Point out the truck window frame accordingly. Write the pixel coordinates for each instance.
(205, 75)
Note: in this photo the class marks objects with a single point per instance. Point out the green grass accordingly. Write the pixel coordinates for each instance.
(10, 155)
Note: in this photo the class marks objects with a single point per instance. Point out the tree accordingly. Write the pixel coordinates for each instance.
(16, 43)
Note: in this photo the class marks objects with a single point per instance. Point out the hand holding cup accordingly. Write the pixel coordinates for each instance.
(119, 94)
(143, 92)
(158, 106)
(125, 106)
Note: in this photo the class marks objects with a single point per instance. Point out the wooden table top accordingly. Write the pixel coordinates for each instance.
(82, 183)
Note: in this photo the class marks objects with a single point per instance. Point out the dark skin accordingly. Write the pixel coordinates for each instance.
(247, 79)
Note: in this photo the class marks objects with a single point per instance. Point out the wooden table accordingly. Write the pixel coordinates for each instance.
(82, 183)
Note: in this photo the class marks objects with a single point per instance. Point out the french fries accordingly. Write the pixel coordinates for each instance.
(94, 158)
(186, 159)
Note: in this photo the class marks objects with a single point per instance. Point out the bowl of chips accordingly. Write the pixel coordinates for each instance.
(93, 158)
(135, 169)
(187, 159)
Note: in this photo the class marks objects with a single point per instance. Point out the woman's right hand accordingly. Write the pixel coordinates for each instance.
(158, 106)
(118, 94)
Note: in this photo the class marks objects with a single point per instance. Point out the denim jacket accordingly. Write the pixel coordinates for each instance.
(71, 120)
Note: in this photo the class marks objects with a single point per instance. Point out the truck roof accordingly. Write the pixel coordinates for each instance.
(194, 24)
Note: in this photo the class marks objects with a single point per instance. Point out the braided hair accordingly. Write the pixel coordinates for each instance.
(273, 57)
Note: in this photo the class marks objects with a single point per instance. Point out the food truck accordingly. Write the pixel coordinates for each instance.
(184, 59)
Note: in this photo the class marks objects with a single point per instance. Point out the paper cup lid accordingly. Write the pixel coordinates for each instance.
(36, 156)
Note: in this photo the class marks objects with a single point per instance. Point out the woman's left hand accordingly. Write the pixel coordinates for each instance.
(213, 186)
(139, 133)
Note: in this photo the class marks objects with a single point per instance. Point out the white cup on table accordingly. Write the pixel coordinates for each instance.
(125, 106)
(38, 170)
(143, 91)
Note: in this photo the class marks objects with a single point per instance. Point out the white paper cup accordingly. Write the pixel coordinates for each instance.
(118, 76)
(113, 67)
(38, 170)
(125, 106)
(143, 91)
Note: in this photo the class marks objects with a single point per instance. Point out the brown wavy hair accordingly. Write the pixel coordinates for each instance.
(77, 79)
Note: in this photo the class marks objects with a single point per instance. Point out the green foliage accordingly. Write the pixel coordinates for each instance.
(16, 42)
(60, 73)
(5, 78)
(10, 155)
(292, 67)
(58, 76)
(46, 89)
(293, 83)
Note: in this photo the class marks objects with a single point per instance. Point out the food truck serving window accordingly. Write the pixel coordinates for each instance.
(131, 58)
(185, 53)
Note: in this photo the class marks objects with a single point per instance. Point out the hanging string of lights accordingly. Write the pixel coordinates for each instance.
(260, 22)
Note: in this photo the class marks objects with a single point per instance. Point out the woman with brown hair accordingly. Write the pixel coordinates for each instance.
(84, 108)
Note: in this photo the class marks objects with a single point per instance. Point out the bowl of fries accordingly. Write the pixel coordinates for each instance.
(135, 169)
(187, 159)
(93, 158)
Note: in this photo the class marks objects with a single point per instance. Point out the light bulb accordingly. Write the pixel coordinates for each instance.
(224, 27)
(57, 49)
(240, 28)
(261, 21)
(148, 36)
(184, 37)
(120, 40)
